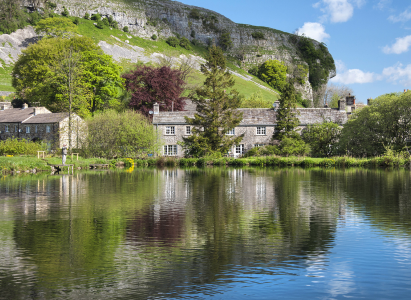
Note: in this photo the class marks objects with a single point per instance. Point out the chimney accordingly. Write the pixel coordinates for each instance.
(341, 104)
(369, 101)
(25, 105)
(39, 110)
(156, 108)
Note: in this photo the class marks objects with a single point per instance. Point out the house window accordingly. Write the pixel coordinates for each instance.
(35, 129)
(239, 149)
(170, 130)
(47, 128)
(259, 145)
(16, 128)
(170, 150)
(188, 130)
(231, 132)
(27, 129)
(7, 128)
(261, 130)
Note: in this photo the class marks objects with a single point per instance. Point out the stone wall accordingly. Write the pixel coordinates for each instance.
(37, 131)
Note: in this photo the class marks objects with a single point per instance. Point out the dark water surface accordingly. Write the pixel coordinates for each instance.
(207, 233)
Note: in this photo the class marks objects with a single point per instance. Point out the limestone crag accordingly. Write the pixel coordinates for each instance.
(12, 44)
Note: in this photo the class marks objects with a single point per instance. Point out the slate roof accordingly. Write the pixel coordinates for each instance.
(15, 115)
(47, 118)
(260, 116)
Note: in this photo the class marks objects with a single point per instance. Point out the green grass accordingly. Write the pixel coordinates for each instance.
(5, 78)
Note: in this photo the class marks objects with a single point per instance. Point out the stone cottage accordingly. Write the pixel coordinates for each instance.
(39, 124)
(257, 125)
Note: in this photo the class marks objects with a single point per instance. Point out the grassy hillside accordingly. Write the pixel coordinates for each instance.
(111, 36)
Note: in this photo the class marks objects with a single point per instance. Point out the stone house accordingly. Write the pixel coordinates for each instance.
(39, 124)
(257, 126)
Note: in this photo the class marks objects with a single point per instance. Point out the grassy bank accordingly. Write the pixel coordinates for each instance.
(29, 163)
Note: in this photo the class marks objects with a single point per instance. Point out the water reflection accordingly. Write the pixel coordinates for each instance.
(184, 232)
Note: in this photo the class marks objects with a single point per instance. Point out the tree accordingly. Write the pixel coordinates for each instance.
(335, 92)
(40, 75)
(287, 119)
(225, 40)
(375, 128)
(216, 109)
(322, 138)
(149, 85)
(125, 134)
(274, 73)
(56, 27)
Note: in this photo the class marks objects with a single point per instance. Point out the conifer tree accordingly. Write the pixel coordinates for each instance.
(216, 109)
(287, 119)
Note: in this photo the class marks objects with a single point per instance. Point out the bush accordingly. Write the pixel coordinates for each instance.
(100, 24)
(96, 17)
(65, 12)
(292, 146)
(125, 28)
(153, 37)
(258, 35)
(86, 16)
(185, 43)
(76, 21)
(194, 14)
(172, 41)
(106, 22)
(253, 70)
(127, 134)
(19, 147)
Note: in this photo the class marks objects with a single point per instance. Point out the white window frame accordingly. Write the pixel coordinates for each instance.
(6, 128)
(261, 130)
(170, 150)
(170, 130)
(27, 129)
(239, 149)
(188, 130)
(47, 128)
(231, 132)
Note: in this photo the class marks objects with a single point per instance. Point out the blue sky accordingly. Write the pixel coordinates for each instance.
(370, 40)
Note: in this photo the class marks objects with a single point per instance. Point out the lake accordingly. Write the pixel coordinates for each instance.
(207, 233)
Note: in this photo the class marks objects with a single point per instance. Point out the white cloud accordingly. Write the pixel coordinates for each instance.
(401, 45)
(398, 73)
(315, 31)
(339, 65)
(382, 4)
(338, 10)
(355, 76)
(402, 17)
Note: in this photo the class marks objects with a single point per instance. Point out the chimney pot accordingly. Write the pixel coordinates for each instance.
(156, 108)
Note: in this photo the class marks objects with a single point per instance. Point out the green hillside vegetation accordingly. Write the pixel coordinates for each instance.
(112, 36)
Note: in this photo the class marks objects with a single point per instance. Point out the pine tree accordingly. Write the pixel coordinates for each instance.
(216, 109)
(287, 119)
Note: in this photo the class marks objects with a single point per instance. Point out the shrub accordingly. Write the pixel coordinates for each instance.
(225, 40)
(172, 41)
(76, 21)
(125, 28)
(153, 37)
(19, 147)
(100, 24)
(65, 12)
(194, 14)
(185, 43)
(51, 5)
(106, 22)
(253, 70)
(258, 35)
(292, 146)
(96, 17)
(87, 16)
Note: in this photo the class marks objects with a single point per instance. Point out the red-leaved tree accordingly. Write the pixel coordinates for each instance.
(149, 85)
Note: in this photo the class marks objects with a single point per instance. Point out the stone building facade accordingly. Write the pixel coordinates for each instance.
(257, 125)
(39, 124)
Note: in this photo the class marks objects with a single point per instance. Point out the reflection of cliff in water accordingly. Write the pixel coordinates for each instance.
(152, 230)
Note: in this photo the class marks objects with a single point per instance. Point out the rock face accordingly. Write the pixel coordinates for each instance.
(12, 44)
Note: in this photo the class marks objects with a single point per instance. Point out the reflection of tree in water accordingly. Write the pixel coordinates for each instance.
(152, 230)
